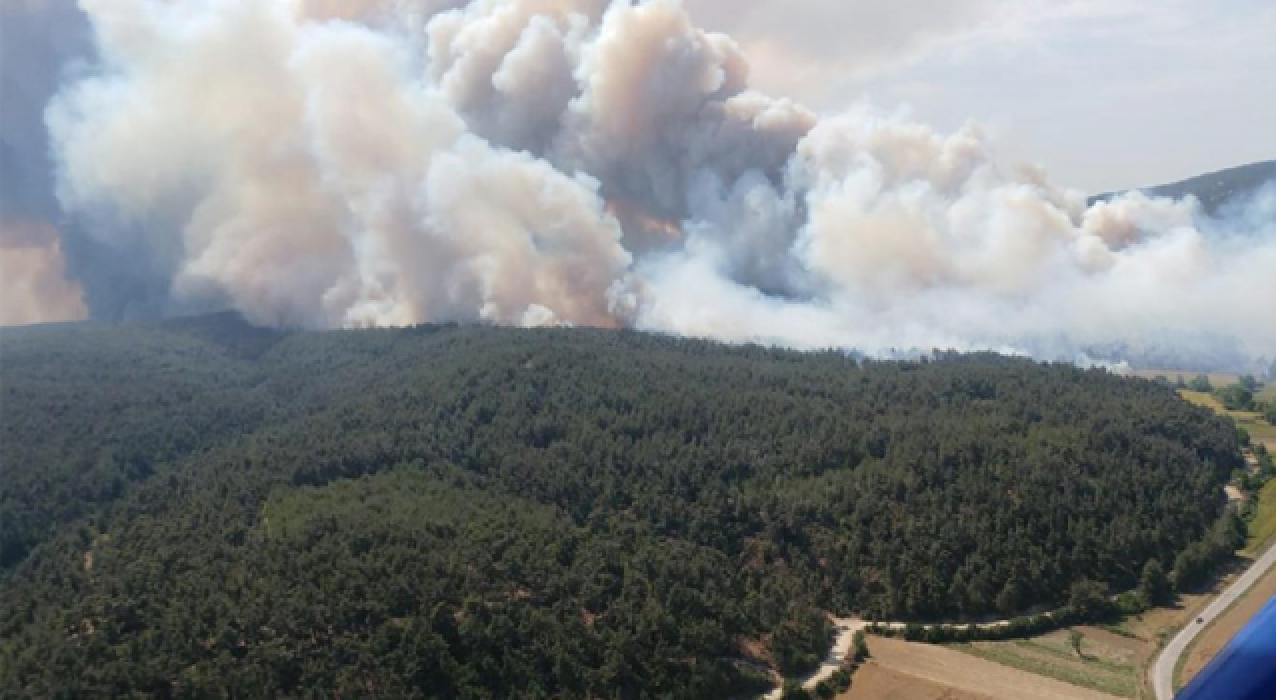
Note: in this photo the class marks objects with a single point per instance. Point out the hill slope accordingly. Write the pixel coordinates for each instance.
(1216, 188)
(201, 509)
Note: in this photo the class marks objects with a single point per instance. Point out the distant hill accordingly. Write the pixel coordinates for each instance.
(1213, 189)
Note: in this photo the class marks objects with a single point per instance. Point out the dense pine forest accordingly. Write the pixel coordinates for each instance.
(201, 509)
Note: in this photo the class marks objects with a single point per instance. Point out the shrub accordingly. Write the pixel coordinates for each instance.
(792, 690)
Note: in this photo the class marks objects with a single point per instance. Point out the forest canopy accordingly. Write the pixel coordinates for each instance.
(199, 508)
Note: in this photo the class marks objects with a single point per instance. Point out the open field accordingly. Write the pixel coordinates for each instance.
(1101, 665)
(877, 682)
(1262, 529)
(968, 676)
(1201, 398)
(1260, 431)
(1215, 378)
(1215, 637)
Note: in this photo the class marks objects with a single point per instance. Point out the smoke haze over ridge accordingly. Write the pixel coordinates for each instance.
(531, 162)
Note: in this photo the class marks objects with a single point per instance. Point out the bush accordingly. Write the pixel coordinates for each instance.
(1200, 383)
(1155, 583)
(1235, 398)
(1131, 603)
(801, 640)
(792, 690)
(1088, 599)
(860, 650)
(1267, 409)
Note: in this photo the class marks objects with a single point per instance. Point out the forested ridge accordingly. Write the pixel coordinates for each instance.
(198, 508)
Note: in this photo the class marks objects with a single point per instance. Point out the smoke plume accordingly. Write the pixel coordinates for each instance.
(328, 164)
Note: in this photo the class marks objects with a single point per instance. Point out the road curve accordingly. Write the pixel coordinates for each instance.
(841, 647)
(1162, 670)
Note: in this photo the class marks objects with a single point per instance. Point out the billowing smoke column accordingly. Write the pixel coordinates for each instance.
(324, 164)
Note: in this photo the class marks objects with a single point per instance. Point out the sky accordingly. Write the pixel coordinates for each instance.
(1103, 94)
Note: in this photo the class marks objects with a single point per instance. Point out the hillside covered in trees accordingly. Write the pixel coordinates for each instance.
(197, 508)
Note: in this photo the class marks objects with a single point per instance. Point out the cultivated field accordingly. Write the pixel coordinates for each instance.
(1215, 378)
(1262, 529)
(1106, 662)
(877, 682)
(900, 669)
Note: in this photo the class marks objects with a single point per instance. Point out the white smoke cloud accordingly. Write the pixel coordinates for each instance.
(305, 172)
(605, 163)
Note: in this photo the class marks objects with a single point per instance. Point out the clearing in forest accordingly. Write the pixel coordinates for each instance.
(965, 673)
(876, 682)
(1106, 662)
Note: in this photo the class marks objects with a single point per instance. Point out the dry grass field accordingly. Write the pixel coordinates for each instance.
(1106, 662)
(900, 669)
(880, 683)
(1215, 378)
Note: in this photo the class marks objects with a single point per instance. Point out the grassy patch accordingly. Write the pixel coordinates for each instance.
(1260, 431)
(1201, 398)
(1217, 379)
(1262, 528)
(1041, 658)
(1120, 627)
(1038, 648)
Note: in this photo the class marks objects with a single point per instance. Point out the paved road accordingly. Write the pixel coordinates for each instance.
(1162, 671)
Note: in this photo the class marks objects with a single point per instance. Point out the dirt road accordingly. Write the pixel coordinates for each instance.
(840, 649)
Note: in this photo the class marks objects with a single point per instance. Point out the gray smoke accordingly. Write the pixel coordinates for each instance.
(326, 164)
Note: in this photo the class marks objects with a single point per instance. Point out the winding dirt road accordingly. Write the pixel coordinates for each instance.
(1161, 672)
(846, 627)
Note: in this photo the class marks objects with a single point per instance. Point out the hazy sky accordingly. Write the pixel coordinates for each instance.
(1105, 94)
